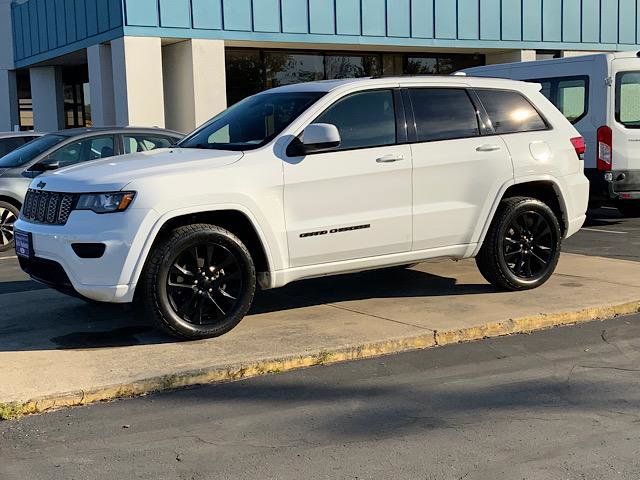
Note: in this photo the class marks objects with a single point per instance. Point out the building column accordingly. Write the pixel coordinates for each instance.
(137, 81)
(511, 56)
(48, 101)
(9, 114)
(103, 112)
(194, 83)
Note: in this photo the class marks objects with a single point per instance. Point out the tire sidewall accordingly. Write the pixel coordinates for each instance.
(540, 209)
(169, 255)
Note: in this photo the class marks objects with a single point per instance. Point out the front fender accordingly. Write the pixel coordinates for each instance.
(268, 239)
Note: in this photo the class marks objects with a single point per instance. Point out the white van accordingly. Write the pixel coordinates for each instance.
(600, 95)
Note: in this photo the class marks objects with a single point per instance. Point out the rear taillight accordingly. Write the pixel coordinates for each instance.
(579, 145)
(605, 149)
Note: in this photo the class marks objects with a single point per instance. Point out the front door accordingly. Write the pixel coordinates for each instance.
(354, 201)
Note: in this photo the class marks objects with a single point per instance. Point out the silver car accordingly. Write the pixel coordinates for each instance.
(9, 141)
(61, 149)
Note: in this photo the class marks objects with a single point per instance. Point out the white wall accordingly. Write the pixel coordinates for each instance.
(194, 83)
(137, 81)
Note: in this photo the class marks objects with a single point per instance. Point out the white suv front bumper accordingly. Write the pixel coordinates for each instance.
(109, 278)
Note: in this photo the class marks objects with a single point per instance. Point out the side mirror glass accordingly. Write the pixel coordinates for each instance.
(46, 165)
(319, 137)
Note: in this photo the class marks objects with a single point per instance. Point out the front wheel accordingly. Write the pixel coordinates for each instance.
(199, 282)
(8, 216)
(522, 247)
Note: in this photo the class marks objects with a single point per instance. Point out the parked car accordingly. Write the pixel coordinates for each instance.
(9, 141)
(309, 180)
(64, 148)
(600, 95)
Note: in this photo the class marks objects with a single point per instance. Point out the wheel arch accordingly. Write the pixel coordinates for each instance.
(10, 200)
(236, 219)
(545, 189)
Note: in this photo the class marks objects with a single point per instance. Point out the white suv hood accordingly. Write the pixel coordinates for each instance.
(113, 174)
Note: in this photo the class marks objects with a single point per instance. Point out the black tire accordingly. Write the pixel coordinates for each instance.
(522, 247)
(629, 208)
(220, 288)
(8, 216)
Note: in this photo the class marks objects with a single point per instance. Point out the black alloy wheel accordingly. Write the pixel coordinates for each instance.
(522, 247)
(199, 282)
(528, 245)
(204, 283)
(8, 217)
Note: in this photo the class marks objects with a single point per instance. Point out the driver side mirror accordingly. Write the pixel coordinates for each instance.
(317, 137)
(45, 165)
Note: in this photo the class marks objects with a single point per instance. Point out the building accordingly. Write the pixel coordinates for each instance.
(176, 63)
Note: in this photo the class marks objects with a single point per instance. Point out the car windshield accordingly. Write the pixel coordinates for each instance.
(251, 123)
(30, 150)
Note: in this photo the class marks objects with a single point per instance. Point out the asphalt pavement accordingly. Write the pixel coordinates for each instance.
(607, 234)
(558, 404)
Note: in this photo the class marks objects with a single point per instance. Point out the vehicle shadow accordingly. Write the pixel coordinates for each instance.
(20, 286)
(70, 323)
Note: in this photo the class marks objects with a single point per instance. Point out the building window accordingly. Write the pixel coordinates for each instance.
(77, 104)
(25, 104)
(548, 54)
(250, 71)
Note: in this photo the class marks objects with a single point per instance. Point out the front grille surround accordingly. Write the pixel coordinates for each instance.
(48, 208)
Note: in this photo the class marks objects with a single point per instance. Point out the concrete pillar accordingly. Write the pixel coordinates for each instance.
(8, 92)
(47, 96)
(103, 111)
(194, 83)
(137, 81)
(511, 56)
(9, 115)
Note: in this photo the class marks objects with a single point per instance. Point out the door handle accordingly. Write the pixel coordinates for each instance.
(488, 148)
(390, 158)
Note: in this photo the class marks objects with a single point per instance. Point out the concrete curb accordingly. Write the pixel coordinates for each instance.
(282, 364)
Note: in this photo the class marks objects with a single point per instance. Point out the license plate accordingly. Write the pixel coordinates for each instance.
(23, 244)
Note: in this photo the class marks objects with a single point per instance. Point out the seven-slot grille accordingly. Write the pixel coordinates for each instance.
(51, 208)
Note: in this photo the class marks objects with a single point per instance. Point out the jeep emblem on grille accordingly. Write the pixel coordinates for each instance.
(41, 185)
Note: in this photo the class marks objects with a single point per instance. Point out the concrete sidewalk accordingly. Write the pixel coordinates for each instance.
(57, 351)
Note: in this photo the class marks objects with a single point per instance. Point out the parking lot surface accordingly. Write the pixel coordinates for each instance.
(560, 404)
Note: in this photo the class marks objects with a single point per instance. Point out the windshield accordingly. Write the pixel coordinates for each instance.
(628, 99)
(29, 151)
(251, 123)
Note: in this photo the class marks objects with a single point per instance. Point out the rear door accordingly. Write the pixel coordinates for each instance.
(624, 112)
(459, 166)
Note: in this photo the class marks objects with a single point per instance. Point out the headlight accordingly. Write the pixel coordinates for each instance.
(105, 202)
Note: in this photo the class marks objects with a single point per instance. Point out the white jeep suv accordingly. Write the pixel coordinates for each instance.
(314, 179)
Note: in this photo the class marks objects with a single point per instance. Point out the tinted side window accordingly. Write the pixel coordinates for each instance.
(570, 95)
(364, 119)
(84, 150)
(144, 143)
(510, 112)
(443, 113)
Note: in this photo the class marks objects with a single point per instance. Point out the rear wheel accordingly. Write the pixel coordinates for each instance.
(199, 283)
(629, 208)
(8, 216)
(522, 247)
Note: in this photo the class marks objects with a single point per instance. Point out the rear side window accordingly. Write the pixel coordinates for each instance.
(628, 99)
(570, 95)
(510, 112)
(364, 119)
(443, 114)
